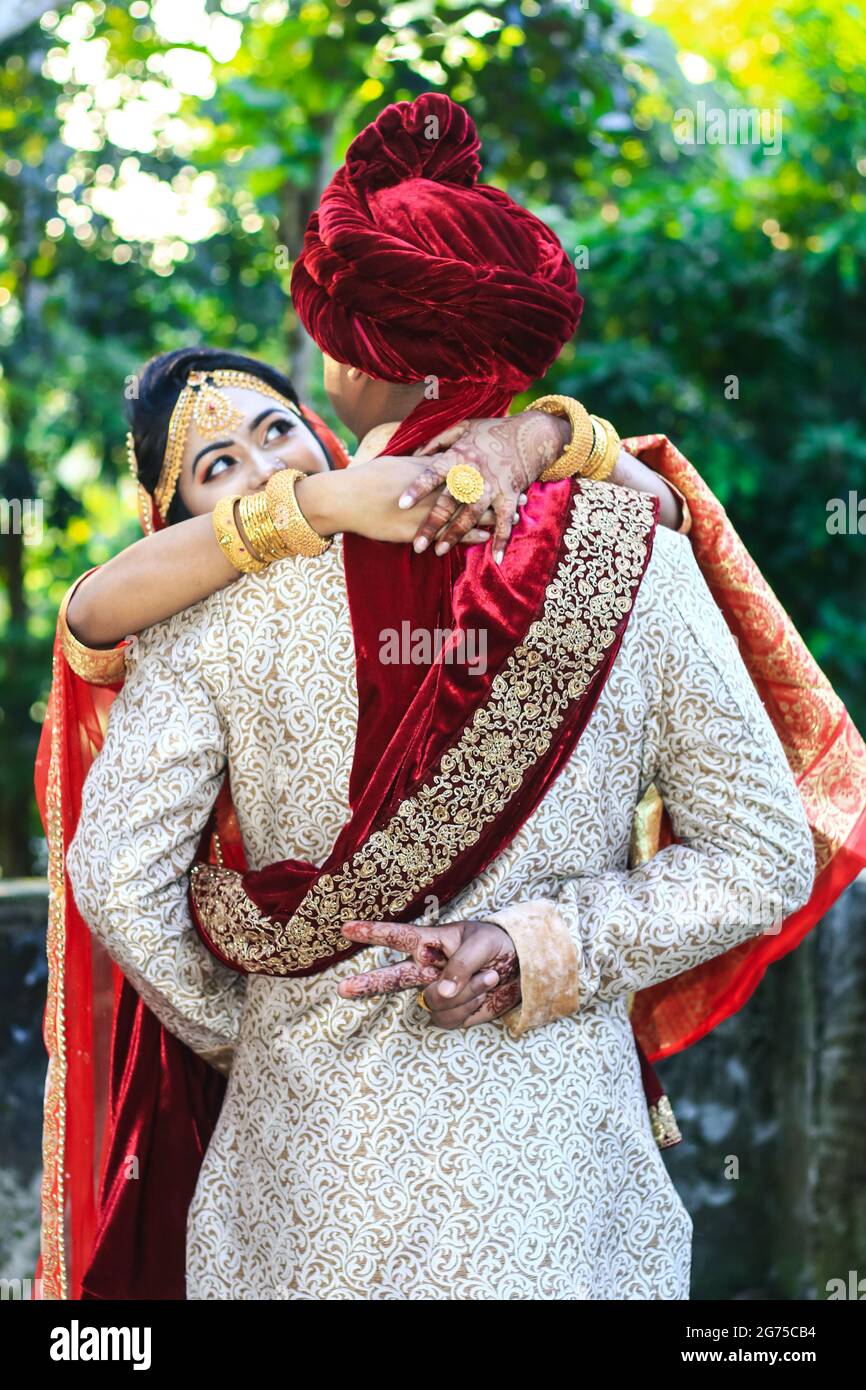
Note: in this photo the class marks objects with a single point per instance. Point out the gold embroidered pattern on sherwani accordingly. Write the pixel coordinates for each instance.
(360, 1150)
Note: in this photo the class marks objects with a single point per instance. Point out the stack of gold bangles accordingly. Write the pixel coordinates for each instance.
(264, 526)
(594, 447)
(592, 451)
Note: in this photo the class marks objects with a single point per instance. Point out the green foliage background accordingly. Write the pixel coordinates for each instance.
(705, 262)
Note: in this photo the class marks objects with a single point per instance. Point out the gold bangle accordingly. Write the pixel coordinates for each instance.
(609, 453)
(576, 453)
(262, 535)
(297, 534)
(230, 540)
(599, 447)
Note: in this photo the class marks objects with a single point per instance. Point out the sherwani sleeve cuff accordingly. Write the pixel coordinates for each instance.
(549, 964)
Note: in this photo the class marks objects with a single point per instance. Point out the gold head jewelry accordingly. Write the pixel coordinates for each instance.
(144, 501)
(464, 483)
(202, 403)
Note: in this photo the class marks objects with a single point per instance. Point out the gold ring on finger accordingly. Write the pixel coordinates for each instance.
(464, 483)
(423, 1002)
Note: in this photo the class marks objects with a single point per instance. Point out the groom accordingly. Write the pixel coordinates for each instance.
(363, 1150)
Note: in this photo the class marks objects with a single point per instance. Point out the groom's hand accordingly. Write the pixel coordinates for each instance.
(470, 969)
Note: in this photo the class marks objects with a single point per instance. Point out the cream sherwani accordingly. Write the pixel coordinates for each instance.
(361, 1152)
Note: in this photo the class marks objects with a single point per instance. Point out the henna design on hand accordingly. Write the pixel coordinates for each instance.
(390, 978)
(505, 963)
(429, 950)
(509, 453)
(499, 1001)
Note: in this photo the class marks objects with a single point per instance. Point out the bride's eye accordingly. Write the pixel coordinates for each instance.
(278, 429)
(219, 466)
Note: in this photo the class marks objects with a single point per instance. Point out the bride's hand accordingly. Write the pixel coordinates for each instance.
(363, 499)
(509, 453)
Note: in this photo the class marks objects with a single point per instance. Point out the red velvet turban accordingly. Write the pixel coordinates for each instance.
(411, 269)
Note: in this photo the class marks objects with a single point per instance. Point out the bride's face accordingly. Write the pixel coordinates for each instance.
(271, 437)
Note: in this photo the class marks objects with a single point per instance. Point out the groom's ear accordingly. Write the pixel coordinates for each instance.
(354, 373)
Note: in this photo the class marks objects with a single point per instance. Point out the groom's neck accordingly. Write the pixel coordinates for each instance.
(385, 404)
(375, 440)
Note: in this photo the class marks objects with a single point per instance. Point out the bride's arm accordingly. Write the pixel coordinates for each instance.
(169, 571)
(153, 579)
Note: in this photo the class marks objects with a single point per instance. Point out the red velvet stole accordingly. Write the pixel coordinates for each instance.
(411, 716)
(165, 1102)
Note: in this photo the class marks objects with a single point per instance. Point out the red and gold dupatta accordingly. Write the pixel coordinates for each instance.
(825, 752)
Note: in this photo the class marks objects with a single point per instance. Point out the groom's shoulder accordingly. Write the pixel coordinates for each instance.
(254, 607)
(671, 588)
(623, 519)
(287, 592)
(672, 583)
(184, 640)
(675, 598)
(672, 560)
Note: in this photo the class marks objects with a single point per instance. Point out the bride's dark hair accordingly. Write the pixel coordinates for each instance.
(158, 387)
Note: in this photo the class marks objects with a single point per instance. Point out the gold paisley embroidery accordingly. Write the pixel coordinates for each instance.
(604, 556)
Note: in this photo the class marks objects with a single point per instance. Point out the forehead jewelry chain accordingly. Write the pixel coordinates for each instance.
(202, 403)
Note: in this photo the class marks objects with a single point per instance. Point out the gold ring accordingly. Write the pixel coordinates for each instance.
(464, 483)
(423, 1002)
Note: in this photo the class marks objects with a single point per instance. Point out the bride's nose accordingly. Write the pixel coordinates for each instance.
(262, 468)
